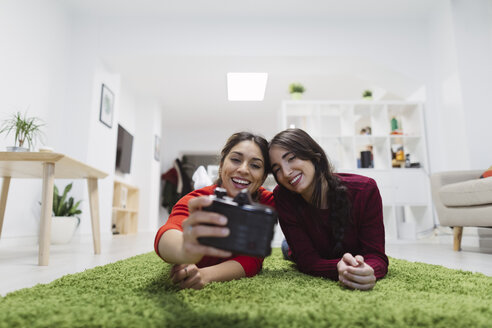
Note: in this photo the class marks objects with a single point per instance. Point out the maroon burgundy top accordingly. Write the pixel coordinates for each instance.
(312, 245)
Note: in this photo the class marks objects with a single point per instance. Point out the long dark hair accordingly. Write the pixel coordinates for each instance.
(245, 136)
(305, 148)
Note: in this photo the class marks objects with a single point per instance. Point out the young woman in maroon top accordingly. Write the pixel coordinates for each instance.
(244, 165)
(333, 223)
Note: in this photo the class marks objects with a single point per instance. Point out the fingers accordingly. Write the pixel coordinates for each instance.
(203, 224)
(208, 231)
(180, 273)
(175, 268)
(367, 279)
(349, 259)
(355, 285)
(361, 277)
(206, 250)
(362, 270)
(192, 233)
(203, 217)
(194, 277)
(359, 259)
(197, 203)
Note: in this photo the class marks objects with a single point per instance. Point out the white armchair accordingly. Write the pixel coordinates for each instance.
(462, 199)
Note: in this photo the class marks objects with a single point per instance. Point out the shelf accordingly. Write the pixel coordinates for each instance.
(121, 209)
(125, 208)
(348, 130)
(124, 184)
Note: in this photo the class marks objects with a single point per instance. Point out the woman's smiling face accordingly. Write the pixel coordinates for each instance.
(293, 173)
(243, 168)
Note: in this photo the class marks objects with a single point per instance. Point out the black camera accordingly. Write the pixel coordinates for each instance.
(251, 225)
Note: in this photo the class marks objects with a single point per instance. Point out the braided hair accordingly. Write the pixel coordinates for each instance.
(327, 186)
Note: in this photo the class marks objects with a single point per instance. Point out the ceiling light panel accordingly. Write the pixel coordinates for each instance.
(246, 86)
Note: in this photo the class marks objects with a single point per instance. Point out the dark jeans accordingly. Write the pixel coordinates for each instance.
(286, 251)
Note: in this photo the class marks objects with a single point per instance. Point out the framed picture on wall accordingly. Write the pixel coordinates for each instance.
(157, 147)
(106, 107)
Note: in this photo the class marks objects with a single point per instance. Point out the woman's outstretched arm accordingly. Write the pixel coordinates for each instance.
(177, 247)
(190, 276)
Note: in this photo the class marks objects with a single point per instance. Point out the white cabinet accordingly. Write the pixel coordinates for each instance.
(359, 138)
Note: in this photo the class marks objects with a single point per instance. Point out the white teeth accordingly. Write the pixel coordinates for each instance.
(295, 179)
(240, 181)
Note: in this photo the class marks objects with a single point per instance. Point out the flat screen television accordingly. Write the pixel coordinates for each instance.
(124, 150)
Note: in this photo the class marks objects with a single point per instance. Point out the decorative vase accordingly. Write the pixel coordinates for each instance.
(367, 97)
(296, 95)
(17, 149)
(63, 229)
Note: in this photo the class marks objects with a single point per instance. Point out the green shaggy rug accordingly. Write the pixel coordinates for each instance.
(136, 293)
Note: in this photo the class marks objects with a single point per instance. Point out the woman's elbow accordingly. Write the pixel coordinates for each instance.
(306, 267)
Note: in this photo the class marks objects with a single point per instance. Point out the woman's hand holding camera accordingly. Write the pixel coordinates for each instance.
(354, 273)
(202, 224)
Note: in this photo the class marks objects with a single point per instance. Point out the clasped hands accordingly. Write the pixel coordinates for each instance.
(354, 273)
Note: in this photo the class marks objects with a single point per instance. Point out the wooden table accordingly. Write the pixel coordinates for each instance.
(48, 166)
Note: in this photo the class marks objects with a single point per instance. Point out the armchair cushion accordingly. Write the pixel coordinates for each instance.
(467, 193)
(487, 173)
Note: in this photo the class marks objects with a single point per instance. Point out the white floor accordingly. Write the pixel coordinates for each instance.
(19, 256)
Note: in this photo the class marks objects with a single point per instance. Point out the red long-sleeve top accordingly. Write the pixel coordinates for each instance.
(251, 265)
(311, 245)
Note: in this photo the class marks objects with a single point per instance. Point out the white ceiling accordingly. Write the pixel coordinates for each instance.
(181, 84)
(306, 9)
(184, 83)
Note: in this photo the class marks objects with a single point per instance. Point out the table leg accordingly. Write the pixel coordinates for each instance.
(458, 232)
(94, 206)
(46, 213)
(3, 200)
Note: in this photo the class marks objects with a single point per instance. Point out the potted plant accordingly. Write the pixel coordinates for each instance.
(296, 90)
(26, 129)
(64, 222)
(367, 95)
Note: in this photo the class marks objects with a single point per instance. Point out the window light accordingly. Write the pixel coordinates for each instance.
(246, 86)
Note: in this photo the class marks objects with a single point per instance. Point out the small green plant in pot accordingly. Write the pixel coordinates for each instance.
(64, 221)
(296, 90)
(27, 131)
(367, 95)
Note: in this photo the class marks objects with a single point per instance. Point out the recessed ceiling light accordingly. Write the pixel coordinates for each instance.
(246, 86)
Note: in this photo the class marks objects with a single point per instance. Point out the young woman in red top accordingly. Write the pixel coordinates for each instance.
(243, 165)
(333, 223)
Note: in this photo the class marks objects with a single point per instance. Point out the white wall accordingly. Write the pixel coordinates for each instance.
(473, 35)
(142, 118)
(55, 62)
(147, 168)
(460, 80)
(445, 128)
(33, 66)
(52, 65)
(101, 145)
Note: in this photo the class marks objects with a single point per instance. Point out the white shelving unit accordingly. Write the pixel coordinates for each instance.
(337, 125)
(125, 208)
